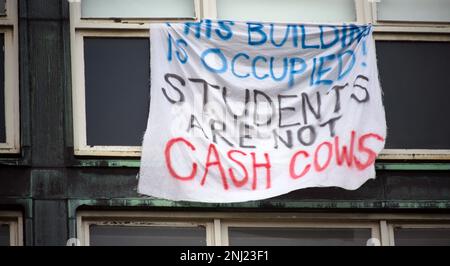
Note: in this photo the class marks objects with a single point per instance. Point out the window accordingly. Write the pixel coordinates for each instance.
(414, 10)
(116, 69)
(149, 229)
(164, 234)
(420, 234)
(412, 42)
(404, 30)
(253, 229)
(9, 81)
(11, 228)
(260, 229)
(111, 70)
(110, 57)
(422, 91)
(287, 10)
(137, 9)
(299, 234)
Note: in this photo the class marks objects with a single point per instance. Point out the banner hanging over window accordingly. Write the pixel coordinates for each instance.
(245, 111)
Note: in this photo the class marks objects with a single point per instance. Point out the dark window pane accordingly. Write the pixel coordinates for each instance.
(422, 236)
(2, 7)
(2, 90)
(117, 73)
(147, 236)
(4, 235)
(242, 236)
(415, 81)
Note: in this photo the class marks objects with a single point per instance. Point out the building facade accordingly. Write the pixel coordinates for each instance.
(74, 102)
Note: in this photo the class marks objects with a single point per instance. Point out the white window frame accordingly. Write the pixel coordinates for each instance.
(415, 225)
(217, 223)
(79, 106)
(14, 220)
(366, 11)
(80, 28)
(9, 27)
(408, 31)
(405, 26)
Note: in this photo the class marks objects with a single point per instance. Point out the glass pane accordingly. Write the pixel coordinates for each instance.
(117, 74)
(2, 7)
(414, 10)
(287, 10)
(415, 81)
(267, 236)
(147, 236)
(422, 236)
(4, 235)
(137, 9)
(2, 90)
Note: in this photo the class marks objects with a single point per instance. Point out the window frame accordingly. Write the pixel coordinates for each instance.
(408, 31)
(381, 224)
(412, 154)
(9, 27)
(413, 225)
(15, 222)
(375, 232)
(147, 223)
(78, 94)
(108, 218)
(89, 27)
(127, 27)
(143, 19)
(366, 11)
(405, 26)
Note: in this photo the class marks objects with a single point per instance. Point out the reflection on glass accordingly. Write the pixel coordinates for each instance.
(422, 236)
(287, 10)
(266, 236)
(102, 235)
(137, 9)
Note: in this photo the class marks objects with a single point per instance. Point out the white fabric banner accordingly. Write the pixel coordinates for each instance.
(244, 111)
